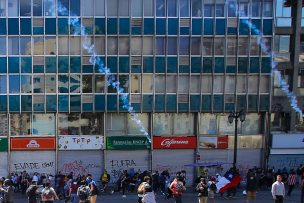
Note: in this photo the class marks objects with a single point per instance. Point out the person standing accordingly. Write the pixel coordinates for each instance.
(73, 192)
(291, 181)
(251, 187)
(177, 187)
(7, 191)
(93, 188)
(202, 189)
(141, 188)
(302, 190)
(278, 190)
(48, 194)
(31, 192)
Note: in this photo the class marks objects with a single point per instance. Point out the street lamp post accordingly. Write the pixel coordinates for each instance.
(235, 116)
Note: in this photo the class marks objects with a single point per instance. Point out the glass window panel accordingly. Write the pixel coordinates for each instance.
(43, 124)
(14, 86)
(134, 128)
(50, 83)
(116, 124)
(49, 6)
(38, 82)
(184, 45)
(243, 9)
(195, 45)
(147, 46)
(26, 84)
(231, 46)
(208, 10)
(208, 124)
(219, 46)
(183, 124)
(20, 124)
(148, 8)
(50, 46)
(218, 84)
(3, 45)
(63, 124)
(147, 86)
(13, 8)
(37, 7)
(172, 8)
(241, 84)
(160, 85)
(256, 9)
(183, 84)
(63, 45)
(230, 84)
(112, 7)
(264, 84)
(25, 45)
(137, 10)
(91, 124)
(160, 45)
(87, 83)
(136, 45)
(195, 84)
(99, 84)
(74, 83)
(232, 6)
(163, 124)
(207, 46)
(99, 43)
(75, 45)
(25, 7)
(63, 82)
(87, 7)
(112, 45)
(13, 45)
(171, 84)
(124, 45)
(160, 8)
(123, 8)
(267, 9)
(38, 45)
(253, 81)
(3, 8)
(135, 83)
(220, 10)
(124, 83)
(206, 85)
(3, 84)
(196, 8)
(254, 48)
(184, 8)
(172, 45)
(243, 45)
(99, 8)
(70, 124)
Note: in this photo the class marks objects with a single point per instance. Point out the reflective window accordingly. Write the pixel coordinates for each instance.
(267, 8)
(112, 7)
(99, 84)
(195, 45)
(184, 45)
(160, 45)
(183, 84)
(256, 9)
(3, 8)
(20, 124)
(99, 43)
(25, 45)
(3, 84)
(124, 45)
(50, 83)
(184, 8)
(63, 45)
(219, 46)
(87, 83)
(137, 10)
(99, 7)
(147, 86)
(220, 10)
(160, 86)
(171, 84)
(281, 48)
(172, 46)
(136, 45)
(218, 84)
(50, 45)
(75, 83)
(13, 45)
(38, 82)
(13, 8)
(243, 46)
(206, 84)
(14, 84)
(26, 84)
(196, 8)
(160, 8)
(207, 46)
(91, 124)
(147, 46)
(37, 7)
(112, 45)
(231, 46)
(38, 45)
(148, 8)
(49, 7)
(43, 124)
(208, 10)
(63, 82)
(3, 45)
(25, 7)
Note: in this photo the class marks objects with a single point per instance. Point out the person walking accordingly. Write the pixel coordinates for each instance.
(278, 190)
(177, 187)
(202, 189)
(48, 194)
(73, 192)
(31, 192)
(141, 188)
(7, 191)
(291, 181)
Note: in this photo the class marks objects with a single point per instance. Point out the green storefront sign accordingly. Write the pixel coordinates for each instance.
(128, 142)
(3, 144)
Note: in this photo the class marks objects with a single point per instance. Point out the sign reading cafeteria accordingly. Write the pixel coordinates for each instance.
(45, 143)
(188, 142)
(88, 142)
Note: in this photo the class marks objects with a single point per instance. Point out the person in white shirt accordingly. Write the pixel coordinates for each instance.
(278, 190)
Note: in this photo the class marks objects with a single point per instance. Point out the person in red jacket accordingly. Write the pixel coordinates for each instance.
(177, 187)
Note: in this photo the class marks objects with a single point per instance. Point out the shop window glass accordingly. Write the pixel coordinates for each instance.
(3, 84)
(208, 124)
(26, 84)
(116, 124)
(43, 124)
(20, 124)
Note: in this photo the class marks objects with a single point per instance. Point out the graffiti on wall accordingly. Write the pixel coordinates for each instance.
(116, 167)
(79, 167)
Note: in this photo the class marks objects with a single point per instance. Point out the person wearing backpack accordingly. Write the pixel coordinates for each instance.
(202, 189)
(48, 194)
(177, 187)
(141, 188)
(31, 192)
(83, 194)
(7, 189)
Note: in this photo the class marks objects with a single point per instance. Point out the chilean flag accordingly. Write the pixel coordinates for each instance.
(227, 181)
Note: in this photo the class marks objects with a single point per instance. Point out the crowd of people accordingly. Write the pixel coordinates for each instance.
(83, 189)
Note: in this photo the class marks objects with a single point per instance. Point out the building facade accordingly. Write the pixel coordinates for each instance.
(185, 65)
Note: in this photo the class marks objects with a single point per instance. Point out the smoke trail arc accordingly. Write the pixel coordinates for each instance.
(274, 65)
(79, 29)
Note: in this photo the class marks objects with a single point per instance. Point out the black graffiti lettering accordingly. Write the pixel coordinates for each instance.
(25, 166)
(48, 165)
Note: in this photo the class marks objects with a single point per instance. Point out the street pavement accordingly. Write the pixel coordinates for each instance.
(262, 197)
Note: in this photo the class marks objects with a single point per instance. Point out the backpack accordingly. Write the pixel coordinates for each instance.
(179, 187)
(31, 191)
(83, 192)
(48, 194)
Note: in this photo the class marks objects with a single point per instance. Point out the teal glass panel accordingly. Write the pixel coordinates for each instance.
(148, 65)
(266, 65)
(124, 65)
(100, 26)
(243, 65)
(50, 26)
(159, 105)
(26, 65)
(63, 81)
(38, 69)
(160, 26)
(252, 102)
(75, 103)
(147, 103)
(208, 26)
(196, 64)
(26, 103)
(207, 65)
(112, 64)
(195, 101)
(63, 103)
(13, 64)
(51, 103)
(63, 64)
(100, 103)
(112, 26)
(75, 64)
(136, 30)
(136, 68)
(3, 65)
(74, 7)
(14, 103)
(75, 26)
(219, 66)
(254, 65)
(50, 64)
(184, 69)
(122, 107)
(148, 26)
(184, 31)
(264, 102)
(3, 30)
(100, 68)
(197, 26)
(112, 102)
(244, 27)
(124, 26)
(241, 102)
(13, 26)
(136, 107)
(87, 68)
(63, 26)
(183, 107)
(87, 107)
(267, 26)
(229, 107)
(172, 26)
(25, 26)
(38, 30)
(256, 26)
(171, 103)
(218, 103)
(14, 84)
(220, 28)
(172, 65)
(160, 65)
(3, 103)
